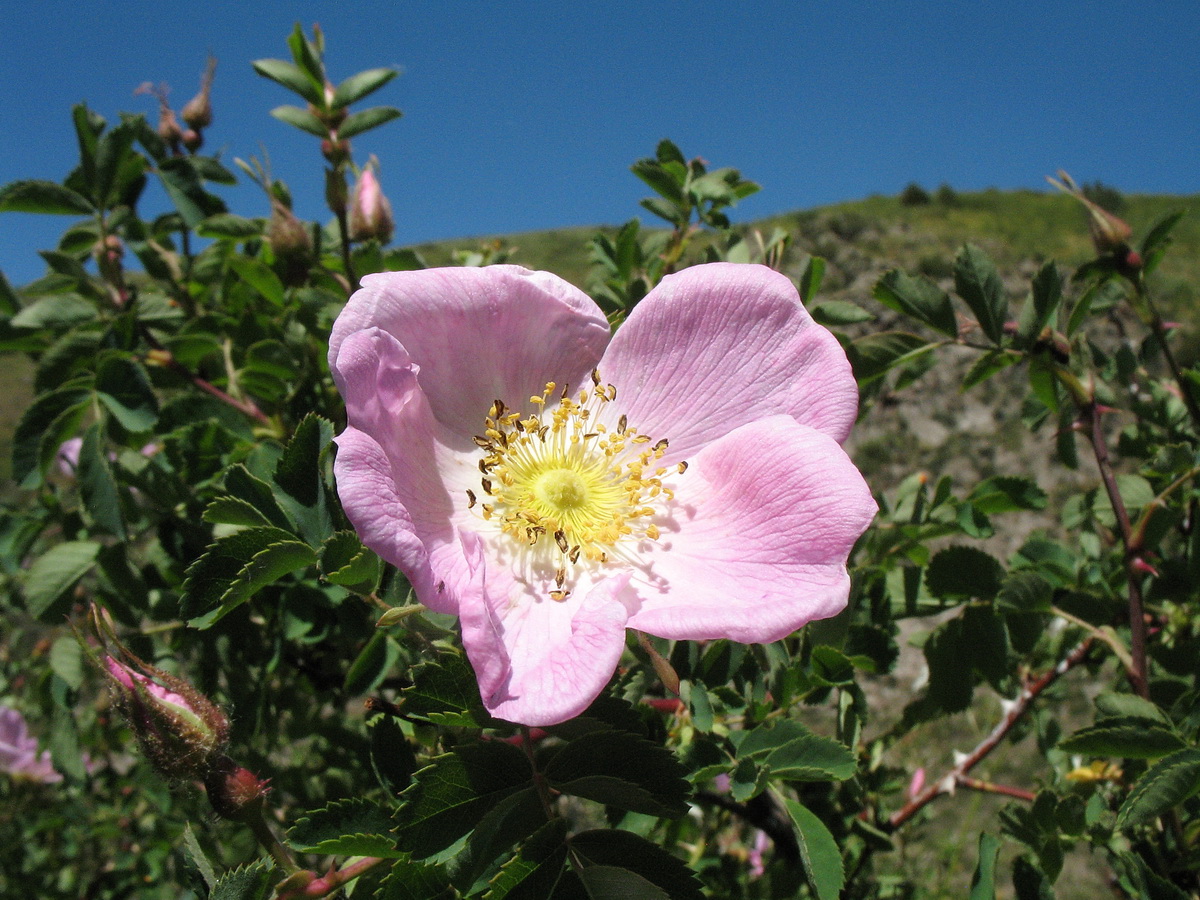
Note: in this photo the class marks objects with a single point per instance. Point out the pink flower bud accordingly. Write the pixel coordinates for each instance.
(1109, 234)
(235, 793)
(371, 213)
(180, 730)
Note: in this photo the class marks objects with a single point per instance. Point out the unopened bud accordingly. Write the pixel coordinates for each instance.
(371, 213)
(193, 140)
(1109, 233)
(168, 127)
(235, 793)
(179, 729)
(197, 112)
(337, 152)
(291, 242)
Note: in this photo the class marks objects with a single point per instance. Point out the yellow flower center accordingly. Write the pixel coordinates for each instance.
(568, 485)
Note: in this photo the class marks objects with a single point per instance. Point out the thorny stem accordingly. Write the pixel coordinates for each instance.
(265, 835)
(1158, 329)
(990, 787)
(323, 885)
(954, 777)
(1137, 614)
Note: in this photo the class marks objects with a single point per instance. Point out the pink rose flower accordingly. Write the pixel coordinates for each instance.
(19, 755)
(553, 486)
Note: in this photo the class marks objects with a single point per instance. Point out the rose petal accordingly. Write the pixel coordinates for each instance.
(540, 662)
(478, 334)
(720, 345)
(757, 542)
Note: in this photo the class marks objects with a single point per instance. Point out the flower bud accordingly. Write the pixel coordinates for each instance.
(370, 214)
(235, 793)
(180, 730)
(192, 139)
(291, 241)
(197, 112)
(1109, 234)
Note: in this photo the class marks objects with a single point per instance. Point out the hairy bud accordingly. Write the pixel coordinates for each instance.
(1109, 233)
(235, 793)
(193, 140)
(291, 241)
(371, 213)
(180, 730)
(197, 112)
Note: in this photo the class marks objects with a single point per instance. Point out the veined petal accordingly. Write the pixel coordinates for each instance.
(478, 334)
(394, 476)
(758, 540)
(539, 662)
(717, 346)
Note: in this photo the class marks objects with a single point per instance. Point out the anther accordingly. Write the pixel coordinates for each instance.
(622, 424)
(559, 595)
(470, 499)
(487, 485)
(561, 539)
(682, 466)
(596, 377)
(661, 445)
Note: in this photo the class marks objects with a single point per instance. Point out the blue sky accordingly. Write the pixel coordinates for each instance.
(526, 115)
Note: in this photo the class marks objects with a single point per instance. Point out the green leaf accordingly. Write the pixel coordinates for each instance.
(371, 665)
(448, 797)
(198, 857)
(49, 421)
(1025, 592)
(623, 770)
(1158, 239)
(229, 226)
(818, 852)
(186, 190)
(919, 298)
(415, 881)
(839, 312)
(55, 311)
(950, 682)
(1130, 706)
(302, 119)
(1168, 783)
(307, 56)
(961, 572)
(1006, 493)
(235, 567)
(66, 660)
(124, 389)
(355, 827)
(253, 882)
(259, 277)
(98, 488)
(42, 197)
(1044, 299)
(53, 574)
(358, 86)
(291, 77)
(1125, 738)
(359, 122)
(983, 882)
(534, 873)
(659, 179)
(875, 354)
(299, 476)
(790, 751)
(445, 690)
(612, 883)
(977, 282)
(653, 867)
(252, 490)
(1029, 881)
(811, 278)
(234, 511)
(511, 820)
(392, 757)
(345, 561)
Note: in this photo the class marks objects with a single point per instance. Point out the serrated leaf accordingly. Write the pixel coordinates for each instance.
(874, 355)
(919, 298)
(950, 681)
(184, 186)
(622, 770)
(358, 86)
(534, 872)
(235, 567)
(1130, 706)
(46, 197)
(659, 179)
(1125, 738)
(291, 77)
(792, 752)
(392, 757)
(355, 827)
(198, 857)
(415, 881)
(987, 365)
(447, 685)
(253, 882)
(818, 851)
(345, 561)
(983, 882)
(623, 850)
(977, 282)
(299, 476)
(1025, 592)
(1006, 493)
(613, 883)
(1044, 299)
(511, 820)
(55, 572)
(1168, 783)
(1155, 244)
(234, 511)
(359, 122)
(55, 311)
(245, 486)
(448, 797)
(962, 572)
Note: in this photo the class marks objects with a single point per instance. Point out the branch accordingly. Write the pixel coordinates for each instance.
(1012, 714)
